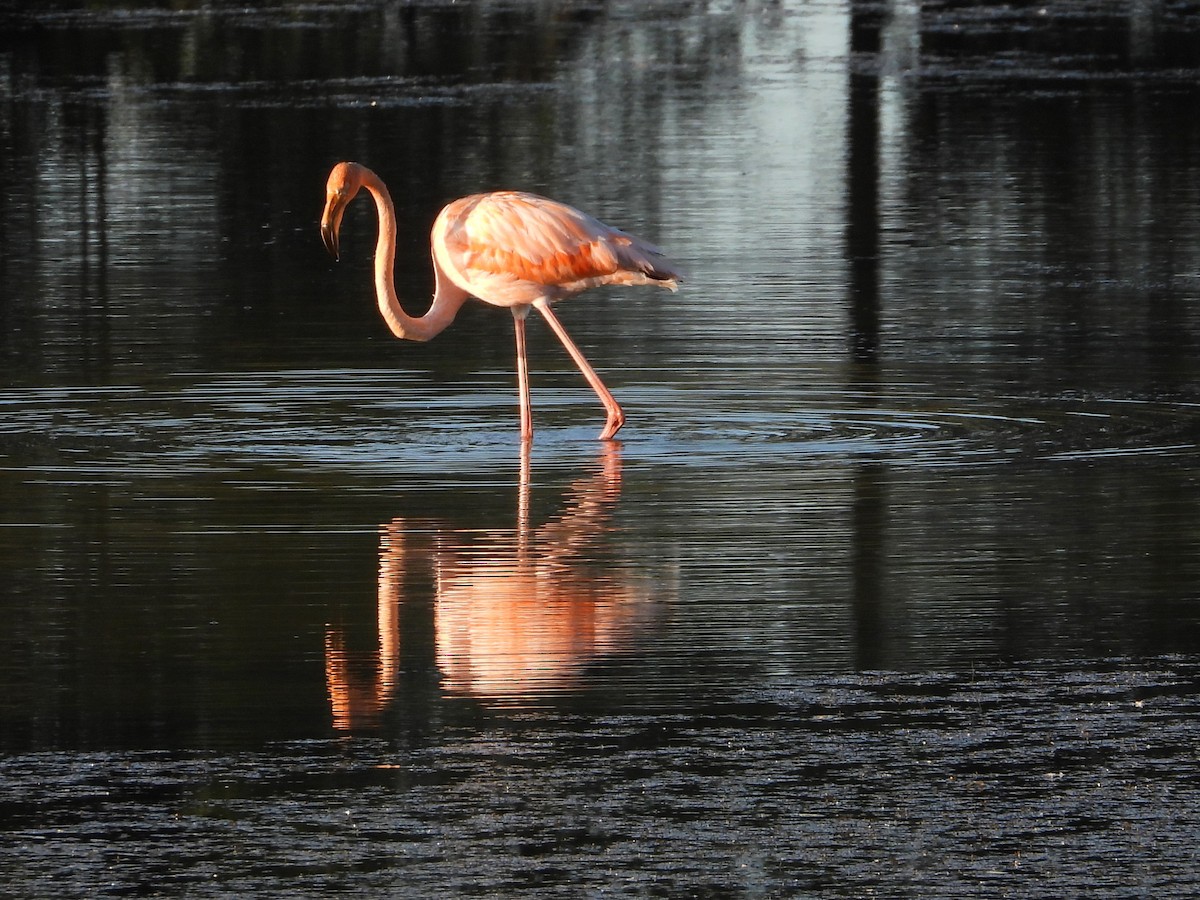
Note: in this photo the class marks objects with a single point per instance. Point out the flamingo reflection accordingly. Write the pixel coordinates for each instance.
(517, 614)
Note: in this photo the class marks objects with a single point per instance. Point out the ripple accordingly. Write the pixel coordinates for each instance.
(386, 423)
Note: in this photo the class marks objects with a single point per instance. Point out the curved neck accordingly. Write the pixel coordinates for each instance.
(446, 299)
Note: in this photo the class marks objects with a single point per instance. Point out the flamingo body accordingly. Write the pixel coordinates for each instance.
(506, 248)
(510, 248)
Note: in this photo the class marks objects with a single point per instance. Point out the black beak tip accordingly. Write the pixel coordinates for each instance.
(331, 243)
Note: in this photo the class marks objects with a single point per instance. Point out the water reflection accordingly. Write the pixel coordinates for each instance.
(518, 613)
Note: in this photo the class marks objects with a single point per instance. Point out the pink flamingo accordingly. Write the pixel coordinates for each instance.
(506, 248)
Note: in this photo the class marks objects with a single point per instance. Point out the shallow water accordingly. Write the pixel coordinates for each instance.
(850, 785)
(888, 587)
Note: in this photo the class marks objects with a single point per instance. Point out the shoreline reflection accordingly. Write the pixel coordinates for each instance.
(518, 614)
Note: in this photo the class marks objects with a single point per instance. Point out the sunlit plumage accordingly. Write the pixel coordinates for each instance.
(506, 248)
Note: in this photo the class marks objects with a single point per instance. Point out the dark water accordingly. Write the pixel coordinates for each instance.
(890, 587)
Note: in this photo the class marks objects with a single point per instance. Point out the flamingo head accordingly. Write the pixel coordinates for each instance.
(343, 185)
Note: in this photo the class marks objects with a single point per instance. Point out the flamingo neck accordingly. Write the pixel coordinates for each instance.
(445, 304)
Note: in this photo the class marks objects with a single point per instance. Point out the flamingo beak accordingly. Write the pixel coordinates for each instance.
(331, 222)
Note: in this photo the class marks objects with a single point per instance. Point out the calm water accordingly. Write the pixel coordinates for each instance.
(890, 587)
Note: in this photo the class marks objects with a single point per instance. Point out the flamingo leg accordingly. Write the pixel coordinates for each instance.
(523, 500)
(519, 314)
(616, 416)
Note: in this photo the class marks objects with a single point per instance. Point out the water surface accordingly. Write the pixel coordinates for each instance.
(888, 587)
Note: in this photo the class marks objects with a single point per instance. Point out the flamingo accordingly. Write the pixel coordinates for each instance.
(506, 248)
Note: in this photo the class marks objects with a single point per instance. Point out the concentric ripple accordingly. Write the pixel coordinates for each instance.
(383, 422)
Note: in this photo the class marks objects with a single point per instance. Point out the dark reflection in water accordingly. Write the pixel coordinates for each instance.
(1078, 779)
(900, 593)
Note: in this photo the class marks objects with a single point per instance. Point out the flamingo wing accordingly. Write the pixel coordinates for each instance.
(510, 248)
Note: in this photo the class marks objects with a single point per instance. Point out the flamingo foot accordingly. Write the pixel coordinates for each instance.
(615, 421)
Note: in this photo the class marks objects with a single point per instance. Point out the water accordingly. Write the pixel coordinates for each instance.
(888, 588)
